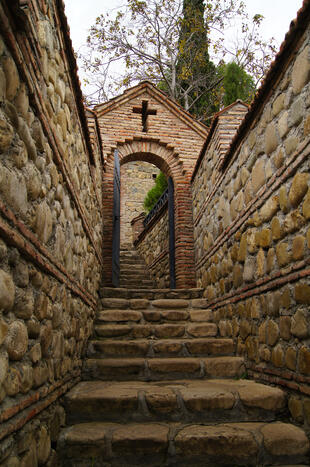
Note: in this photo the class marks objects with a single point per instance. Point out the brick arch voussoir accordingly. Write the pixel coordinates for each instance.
(158, 153)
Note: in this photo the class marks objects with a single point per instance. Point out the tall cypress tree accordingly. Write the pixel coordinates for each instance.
(195, 70)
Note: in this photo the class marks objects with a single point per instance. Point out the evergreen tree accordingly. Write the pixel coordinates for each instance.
(236, 84)
(196, 73)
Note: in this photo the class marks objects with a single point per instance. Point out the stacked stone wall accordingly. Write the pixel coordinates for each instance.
(252, 235)
(137, 178)
(153, 247)
(50, 228)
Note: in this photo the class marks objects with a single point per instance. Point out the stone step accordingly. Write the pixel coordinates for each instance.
(160, 348)
(153, 315)
(119, 292)
(125, 331)
(156, 369)
(146, 283)
(167, 444)
(133, 271)
(122, 302)
(186, 401)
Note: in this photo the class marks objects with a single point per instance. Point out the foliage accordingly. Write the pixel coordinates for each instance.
(196, 73)
(236, 84)
(160, 41)
(155, 193)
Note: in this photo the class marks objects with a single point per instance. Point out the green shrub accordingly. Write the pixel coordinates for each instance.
(155, 193)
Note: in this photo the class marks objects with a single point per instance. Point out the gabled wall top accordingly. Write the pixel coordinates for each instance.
(161, 97)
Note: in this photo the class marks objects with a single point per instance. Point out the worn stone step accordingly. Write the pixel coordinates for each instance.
(137, 283)
(153, 369)
(160, 347)
(208, 401)
(152, 315)
(119, 292)
(167, 444)
(126, 331)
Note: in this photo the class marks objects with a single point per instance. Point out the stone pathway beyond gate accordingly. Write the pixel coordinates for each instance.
(161, 388)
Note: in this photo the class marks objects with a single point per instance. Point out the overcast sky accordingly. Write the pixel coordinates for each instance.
(278, 14)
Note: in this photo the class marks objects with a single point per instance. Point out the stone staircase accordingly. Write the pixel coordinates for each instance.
(161, 388)
(133, 270)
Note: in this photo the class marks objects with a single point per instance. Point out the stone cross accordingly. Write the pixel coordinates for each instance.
(144, 111)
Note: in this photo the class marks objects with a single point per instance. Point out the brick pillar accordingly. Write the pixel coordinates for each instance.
(184, 236)
(107, 201)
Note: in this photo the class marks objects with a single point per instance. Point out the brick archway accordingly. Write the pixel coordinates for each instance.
(167, 160)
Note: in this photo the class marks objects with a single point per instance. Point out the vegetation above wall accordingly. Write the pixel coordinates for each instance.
(155, 193)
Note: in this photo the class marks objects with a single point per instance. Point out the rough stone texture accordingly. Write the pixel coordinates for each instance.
(284, 439)
(301, 71)
(7, 291)
(299, 188)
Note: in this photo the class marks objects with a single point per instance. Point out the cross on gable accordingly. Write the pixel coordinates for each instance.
(144, 111)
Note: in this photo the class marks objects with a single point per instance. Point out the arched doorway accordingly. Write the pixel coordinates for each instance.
(168, 162)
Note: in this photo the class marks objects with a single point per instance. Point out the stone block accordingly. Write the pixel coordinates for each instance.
(225, 441)
(264, 238)
(260, 263)
(304, 360)
(170, 303)
(299, 188)
(301, 71)
(200, 315)
(171, 348)
(293, 221)
(298, 247)
(302, 293)
(296, 112)
(269, 209)
(237, 275)
(258, 175)
(169, 330)
(16, 341)
(6, 135)
(306, 125)
(306, 206)
(283, 439)
(282, 253)
(139, 303)
(283, 125)
(161, 400)
(7, 291)
(291, 358)
(273, 332)
(299, 327)
(271, 139)
(285, 327)
(12, 382)
(296, 408)
(242, 248)
(278, 104)
(291, 144)
(12, 77)
(202, 330)
(277, 356)
(270, 260)
(140, 439)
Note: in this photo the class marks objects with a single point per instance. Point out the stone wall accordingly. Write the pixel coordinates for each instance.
(252, 232)
(50, 226)
(137, 178)
(153, 247)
